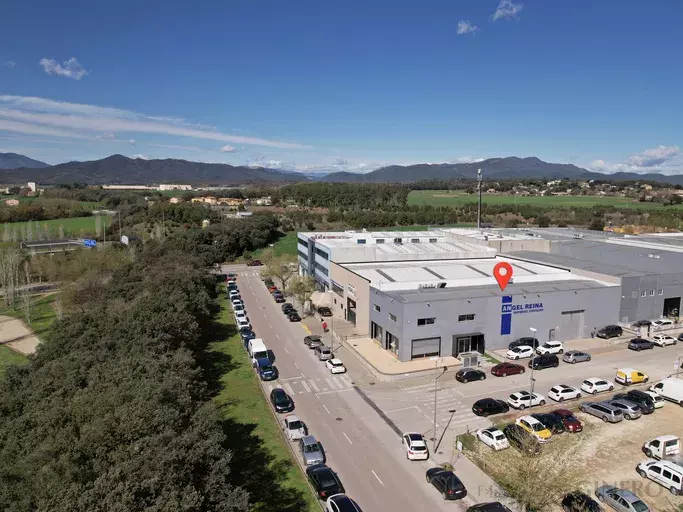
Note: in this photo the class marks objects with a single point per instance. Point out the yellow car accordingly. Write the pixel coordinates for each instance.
(535, 428)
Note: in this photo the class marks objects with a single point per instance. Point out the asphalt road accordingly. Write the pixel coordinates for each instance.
(359, 445)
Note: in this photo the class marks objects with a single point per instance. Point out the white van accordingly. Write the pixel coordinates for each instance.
(662, 447)
(671, 389)
(663, 472)
(257, 349)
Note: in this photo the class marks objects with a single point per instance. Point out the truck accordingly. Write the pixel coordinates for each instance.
(670, 389)
(663, 447)
(257, 350)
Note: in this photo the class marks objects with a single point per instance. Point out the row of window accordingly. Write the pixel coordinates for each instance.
(337, 289)
(427, 321)
(644, 293)
(320, 268)
(303, 256)
(322, 254)
(363, 241)
(303, 242)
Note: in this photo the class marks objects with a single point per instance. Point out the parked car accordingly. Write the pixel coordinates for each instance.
(528, 341)
(504, 369)
(610, 331)
(552, 421)
(662, 340)
(313, 341)
(294, 316)
(662, 322)
(271, 287)
(254, 263)
(521, 439)
(665, 472)
(641, 323)
(265, 369)
(524, 399)
(293, 427)
(287, 307)
(243, 324)
(662, 447)
(658, 400)
(620, 499)
(639, 344)
(279, 298)
(335, 366)
(680, 337)
(576, 356)
(247, 334)
(445, 481)
(341, 503)
(671, 389)
(281, 401)
(469, 374)
(551, 347)
(544, 361)
(602, 410)
(594, 386)
(580, 502)
(311, 451)
(415, 446)
(535, 428)
(628, 376)
(562, 392)
(232, 275)
(520, 352)
(323, 353)
(492, 506)
(239, 307)
(324, 481)
(493, 437)
(629, 410)
(571, 423)
(324, 311)
(488, 406)
(647, 405)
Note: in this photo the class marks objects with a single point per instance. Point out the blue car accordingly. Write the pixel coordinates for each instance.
(265, 369)
(246, 335)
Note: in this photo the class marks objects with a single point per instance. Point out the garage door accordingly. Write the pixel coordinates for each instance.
(571, 327)
(426, 347)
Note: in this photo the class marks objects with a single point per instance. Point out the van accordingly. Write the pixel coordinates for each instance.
(627, 376)
(662, 447)
(670, 389)
(602, 410)
(664, 472)
(257, 349)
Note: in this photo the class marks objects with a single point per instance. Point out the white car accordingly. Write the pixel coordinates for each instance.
(236, 301)
(658, 400)
(562, 392)
(239, 307)
(335, 366)
(595, 385)
(416, 448)
(233, 294)
(241, 315)
(520, 352)
(493, 437)
(662, 322)
(293, 427)
(341, 503)
(551, 347)
(524, 399)
(662, 340)
(243, 323)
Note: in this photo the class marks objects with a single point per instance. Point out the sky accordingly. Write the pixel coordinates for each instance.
(351, 85)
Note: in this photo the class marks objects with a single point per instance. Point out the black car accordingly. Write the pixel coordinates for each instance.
(324, 311)
(449, 485)
(647, 405)
(247, 334)
(313, 341)
(468, 375)
(639, 344)
(680, 337)
(493, 506)
(487, 406)
(287, 308)
(642, 323)
(324, 481)
(281, 401)
(579, 502)
(279, 298)
(527, 340)
(610, 331)
(521, 439)
(552, 421)
(544, 361)
(294, 316)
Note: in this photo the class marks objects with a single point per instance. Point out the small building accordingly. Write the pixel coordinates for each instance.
(205, 200)
(12, 202)
(174, 186)
(175, 200)
(206, 223)
(240, 215)
(32, 186)
(231, 201)
(264, 201)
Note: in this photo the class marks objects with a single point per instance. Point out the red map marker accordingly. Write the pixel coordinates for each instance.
(503, 273)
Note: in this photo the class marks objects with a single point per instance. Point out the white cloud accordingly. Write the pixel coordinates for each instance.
(10, 64)
(131, 141)
(79, 118)
(466, 27)
(661, 159)
(507, 9)
(142, 157)
(463, 160)
(228, 149)
(655, 156)
(107, 136)
(178, 147)
(69, 68)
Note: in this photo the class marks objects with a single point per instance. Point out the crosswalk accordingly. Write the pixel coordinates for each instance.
(299, 385)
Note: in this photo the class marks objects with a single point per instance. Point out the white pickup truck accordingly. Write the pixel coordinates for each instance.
(663, 447)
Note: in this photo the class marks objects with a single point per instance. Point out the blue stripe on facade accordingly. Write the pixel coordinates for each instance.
(506, 315)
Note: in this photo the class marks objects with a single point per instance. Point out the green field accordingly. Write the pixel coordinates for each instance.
(455, 198)
(73, 227)
(284, 245)
(262, 463)
(8, 357)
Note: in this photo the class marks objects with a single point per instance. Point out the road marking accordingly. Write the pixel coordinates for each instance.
(332, 384)
(346, 380)
(305, 327)
(402, 409)
(373, 472)
(328, 411)
(314, 386)
(349, 440)
(269, 325)
(288, 388)
(290, 378)
(278, 337)
(286, 349)
(270, 388)
(335, 391)
(489, 392)
(303, 376)
(297, 366)
(303, 383)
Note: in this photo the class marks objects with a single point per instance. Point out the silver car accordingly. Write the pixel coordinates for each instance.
(630, 410)
(324, 353)
(576, 356)
(311, 451)
(602, 410)
(620, 499)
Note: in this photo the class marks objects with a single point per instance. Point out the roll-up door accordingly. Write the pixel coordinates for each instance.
(426, 347)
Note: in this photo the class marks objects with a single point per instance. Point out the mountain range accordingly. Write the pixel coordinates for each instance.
(121, 170)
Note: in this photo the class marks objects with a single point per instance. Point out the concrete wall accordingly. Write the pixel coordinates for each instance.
(600, 306)
(357, 289)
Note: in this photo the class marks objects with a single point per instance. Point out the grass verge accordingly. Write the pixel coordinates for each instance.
(8, 357)
(262, 462)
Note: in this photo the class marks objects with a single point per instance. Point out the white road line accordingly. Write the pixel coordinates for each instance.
(346, 380)
(314, 386)
(335, 391)
(286, 349)
(423, 386)
(290, 378)
(297, 366)
(288, 388)
(303, 383)
(303, 376)
(332, 384)
(488, 393)
(328, 411)
(270, 388)
(402, 409)
(278, 337)
(373, 472)
(269, 325)
(347, 438)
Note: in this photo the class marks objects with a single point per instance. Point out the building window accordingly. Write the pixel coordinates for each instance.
(392, 317)
(303, 256)
(414, 240)
(398, 241)
(320, 268)
(379, 241)
(322, 254)
(426, 321)
(361, 241)
(433, 240)
(303, 242)
(652, 293)
(376, 308)
(643, 293)
(466, 318)
(661, 291)
(337, 289)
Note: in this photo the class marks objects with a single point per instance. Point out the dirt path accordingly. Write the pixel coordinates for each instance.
(15, 335)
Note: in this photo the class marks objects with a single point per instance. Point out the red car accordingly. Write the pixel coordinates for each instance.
(505, 369)
(272, 289)
(254, 263)
(571, 422)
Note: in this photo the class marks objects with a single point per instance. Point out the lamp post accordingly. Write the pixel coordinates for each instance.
(331, 321)
(531, 377)
(436, 360)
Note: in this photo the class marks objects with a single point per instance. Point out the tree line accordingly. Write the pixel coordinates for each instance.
(343, 195)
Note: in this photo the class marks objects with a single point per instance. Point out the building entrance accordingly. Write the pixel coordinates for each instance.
(672, 306)
(351, 311)
(468, 343)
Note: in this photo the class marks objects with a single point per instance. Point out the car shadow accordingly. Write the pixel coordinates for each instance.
(271, 356)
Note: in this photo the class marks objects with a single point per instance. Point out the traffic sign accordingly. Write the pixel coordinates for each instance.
(89, 243)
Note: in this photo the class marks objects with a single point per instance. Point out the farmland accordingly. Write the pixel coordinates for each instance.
(72, 227)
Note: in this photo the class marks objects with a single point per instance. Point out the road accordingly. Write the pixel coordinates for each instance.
(359, 445)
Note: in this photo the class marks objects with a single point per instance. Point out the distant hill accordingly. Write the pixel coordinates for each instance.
(121, 170)
(15, 161)
(494, 168)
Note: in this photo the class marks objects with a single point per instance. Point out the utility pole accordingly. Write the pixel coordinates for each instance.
(531, 377)
(436, 378)
(479, 180)
(119, 224)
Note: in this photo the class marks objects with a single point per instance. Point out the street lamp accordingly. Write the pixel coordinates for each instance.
(331, 321)
(531, 377)
(436, 360)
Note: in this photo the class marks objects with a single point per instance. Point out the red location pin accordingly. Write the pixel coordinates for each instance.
(503, 273)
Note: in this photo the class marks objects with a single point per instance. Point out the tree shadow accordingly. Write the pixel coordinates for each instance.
(215, 363)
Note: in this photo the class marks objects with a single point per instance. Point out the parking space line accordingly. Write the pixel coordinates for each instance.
(288, 388)
(328, 411)
(332, 384)
(290, 378)
(314, 386)
(373, 472)
(270, 388)
(308, 389)
(286, 349)
(347, 438)
(278, 337)
(296, 365)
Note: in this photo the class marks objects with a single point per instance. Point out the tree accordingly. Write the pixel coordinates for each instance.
(282, 268)
(597, 224)
(302, 288)
(543, 221)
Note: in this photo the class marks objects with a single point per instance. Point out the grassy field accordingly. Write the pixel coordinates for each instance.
(73, 227)
(8, 357)
(284, 245)
(446, 198)
(262, 463)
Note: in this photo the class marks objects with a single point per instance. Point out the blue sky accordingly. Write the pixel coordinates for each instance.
(348, 85)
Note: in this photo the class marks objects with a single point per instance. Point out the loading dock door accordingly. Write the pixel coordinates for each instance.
(571, 326)
(426, 347)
